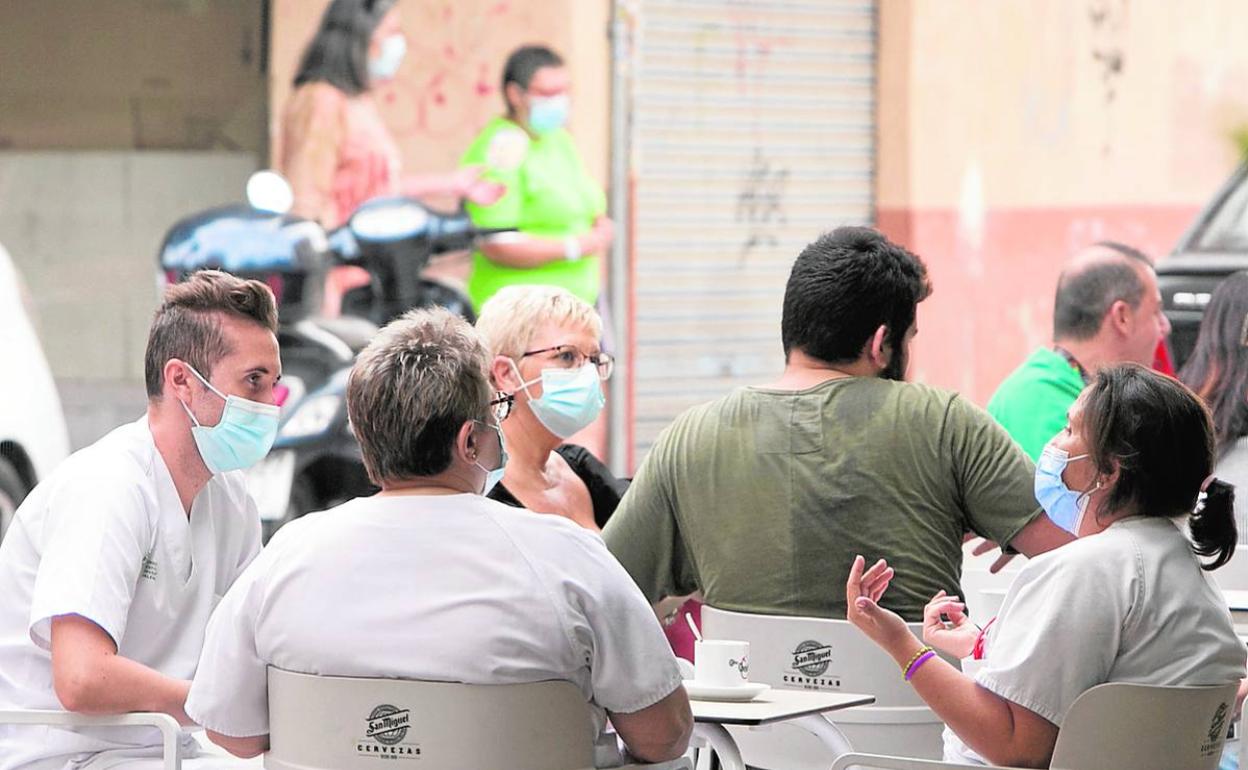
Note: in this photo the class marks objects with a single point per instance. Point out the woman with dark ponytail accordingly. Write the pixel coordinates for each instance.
(1130, 600)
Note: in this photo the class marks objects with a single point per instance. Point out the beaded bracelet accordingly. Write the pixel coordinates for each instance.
(915, 662)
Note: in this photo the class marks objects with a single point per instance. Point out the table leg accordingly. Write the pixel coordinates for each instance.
(704, 755)
(718, 739)
(825, 731)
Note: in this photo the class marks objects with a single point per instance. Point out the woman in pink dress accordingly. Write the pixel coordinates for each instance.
(336, 151)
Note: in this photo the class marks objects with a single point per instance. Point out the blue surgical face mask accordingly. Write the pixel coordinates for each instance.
(1064, 506)
(386, 65)
(571, 398)
(241, 438)
(547, 113)
(492, 477)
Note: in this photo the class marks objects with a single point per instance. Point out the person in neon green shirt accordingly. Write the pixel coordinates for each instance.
(550, 197)
(1107, 312)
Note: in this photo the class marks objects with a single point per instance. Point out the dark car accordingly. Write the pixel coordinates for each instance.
(1215, 246)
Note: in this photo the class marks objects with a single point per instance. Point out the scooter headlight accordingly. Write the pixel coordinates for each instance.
(312, 417)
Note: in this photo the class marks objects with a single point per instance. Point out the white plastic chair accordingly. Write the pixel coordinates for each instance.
(348, 723)
(823, 654)
(1242, 735)
(168, 726)
(1120, 726)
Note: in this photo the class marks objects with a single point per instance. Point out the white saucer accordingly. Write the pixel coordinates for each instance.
(741, 692)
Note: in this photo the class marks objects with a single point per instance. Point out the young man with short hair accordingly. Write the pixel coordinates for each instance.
(114, 563)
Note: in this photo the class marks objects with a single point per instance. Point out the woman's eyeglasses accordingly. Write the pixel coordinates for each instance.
(501, 405)
(570, 357)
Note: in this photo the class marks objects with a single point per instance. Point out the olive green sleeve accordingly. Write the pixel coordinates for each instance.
(644, 534)
(994, 476)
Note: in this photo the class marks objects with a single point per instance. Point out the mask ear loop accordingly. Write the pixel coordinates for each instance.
(207, 385)
(1087, 494)
(520, 378)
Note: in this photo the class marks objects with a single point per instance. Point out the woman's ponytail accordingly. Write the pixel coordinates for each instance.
(1213, 524)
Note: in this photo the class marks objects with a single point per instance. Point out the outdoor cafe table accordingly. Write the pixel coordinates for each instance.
(801, 708)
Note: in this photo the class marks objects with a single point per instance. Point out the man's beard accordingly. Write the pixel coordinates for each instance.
(895, 369)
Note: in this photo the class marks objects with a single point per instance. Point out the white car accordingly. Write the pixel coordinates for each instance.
(33, 438)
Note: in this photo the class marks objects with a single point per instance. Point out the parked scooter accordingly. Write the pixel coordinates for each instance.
(315, 462)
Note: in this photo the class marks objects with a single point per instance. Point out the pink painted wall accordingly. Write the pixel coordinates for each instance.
(993, 299)
(1012, 134)
(447, 88)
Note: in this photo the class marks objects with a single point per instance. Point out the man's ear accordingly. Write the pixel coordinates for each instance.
(878, 347)
(1119, 317)
(177, 376)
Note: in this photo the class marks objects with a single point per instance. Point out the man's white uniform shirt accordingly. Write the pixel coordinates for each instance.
(1130, 604)
(447, 588)
(106, 537)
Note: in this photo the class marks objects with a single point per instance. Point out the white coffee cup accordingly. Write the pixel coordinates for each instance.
(721, 663)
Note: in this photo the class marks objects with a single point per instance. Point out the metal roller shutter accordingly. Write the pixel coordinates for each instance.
(752, 131)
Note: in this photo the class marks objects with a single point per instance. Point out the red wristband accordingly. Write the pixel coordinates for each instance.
(977, 652)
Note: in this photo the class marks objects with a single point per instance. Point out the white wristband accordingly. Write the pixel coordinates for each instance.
(571, 248)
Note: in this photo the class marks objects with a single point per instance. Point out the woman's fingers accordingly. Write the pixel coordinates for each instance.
(952, 610)
(880, 584)
(875, 570)
(853, 584)
(865, 586)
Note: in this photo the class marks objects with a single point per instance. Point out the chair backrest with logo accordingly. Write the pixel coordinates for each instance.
(823, 654)
(346, 723)
(1120, 726)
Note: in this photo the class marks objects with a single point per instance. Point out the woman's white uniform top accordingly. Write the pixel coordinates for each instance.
(449, 588)
(1130, 604)
(106, 537)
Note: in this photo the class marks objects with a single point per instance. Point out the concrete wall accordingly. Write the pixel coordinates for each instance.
(84, 229)
(1011, 134)
(123, 74)
(117, 117)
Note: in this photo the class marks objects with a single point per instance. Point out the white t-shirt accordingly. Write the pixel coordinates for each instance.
(1130, 604)
(455, 588)
(106, 537)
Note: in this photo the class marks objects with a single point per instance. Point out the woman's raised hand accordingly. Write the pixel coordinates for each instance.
(958, 637)
(862, 594)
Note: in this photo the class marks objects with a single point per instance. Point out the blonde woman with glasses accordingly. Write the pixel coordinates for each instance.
(547, 360)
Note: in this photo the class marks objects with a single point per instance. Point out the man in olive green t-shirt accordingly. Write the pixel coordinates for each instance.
(1107, 311)
(762, 498)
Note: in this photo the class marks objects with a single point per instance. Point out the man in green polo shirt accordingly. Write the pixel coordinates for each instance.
(1107, 311)
(559, 210)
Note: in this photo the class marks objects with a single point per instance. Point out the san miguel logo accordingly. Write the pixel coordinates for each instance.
(1217, 731)
(809, 666)
(812, 658)
(386, 729)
